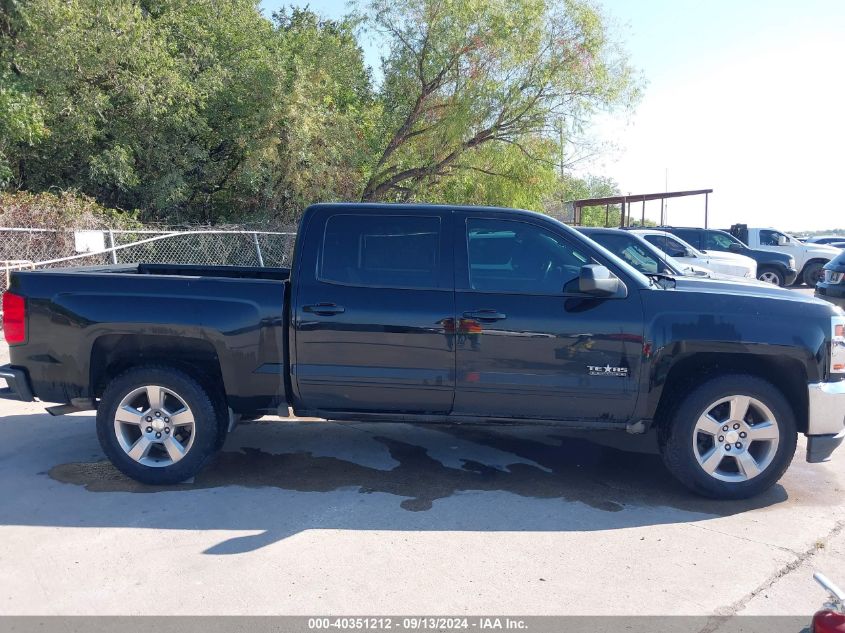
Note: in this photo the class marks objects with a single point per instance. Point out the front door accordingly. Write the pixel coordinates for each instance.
(374, 313)
(528, 344)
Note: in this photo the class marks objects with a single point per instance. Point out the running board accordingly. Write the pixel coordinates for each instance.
(76, 404)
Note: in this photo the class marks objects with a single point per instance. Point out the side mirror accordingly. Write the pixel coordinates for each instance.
(597, 280)
(735, 248)
(782, 241)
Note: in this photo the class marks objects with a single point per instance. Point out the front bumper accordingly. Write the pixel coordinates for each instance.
(835, 293)
(790, 275)
(826, 420)
(17, 382)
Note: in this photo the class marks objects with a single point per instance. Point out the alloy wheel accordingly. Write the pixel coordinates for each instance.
(735, 439)
(154, 426)
(770, 278)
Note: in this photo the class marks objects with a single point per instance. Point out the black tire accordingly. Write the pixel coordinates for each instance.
(771, 275)
(812, 273)
(677, 429)
(208, 419)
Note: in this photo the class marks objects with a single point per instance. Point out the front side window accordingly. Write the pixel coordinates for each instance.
(517, 257)
(381, 250)
(770, 238)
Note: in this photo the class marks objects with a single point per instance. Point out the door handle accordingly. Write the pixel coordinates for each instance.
(486, 315)
(325, 309)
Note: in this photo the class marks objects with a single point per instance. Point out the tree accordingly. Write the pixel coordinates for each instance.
(462, 75)
(571, 188)
(326, 110)
(151, 104)
(205, 110)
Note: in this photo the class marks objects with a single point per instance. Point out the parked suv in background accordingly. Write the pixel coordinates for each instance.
(810, 258)
(773, 268)
(725, 263)
(837, 241)
(831, 287)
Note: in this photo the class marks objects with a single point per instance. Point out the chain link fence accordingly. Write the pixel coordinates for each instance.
(26, 248)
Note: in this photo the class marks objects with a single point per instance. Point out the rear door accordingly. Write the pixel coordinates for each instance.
(528, 344)
(374, 312)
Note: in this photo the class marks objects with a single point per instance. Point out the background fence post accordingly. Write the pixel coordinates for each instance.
(111, 244)
(258, 249)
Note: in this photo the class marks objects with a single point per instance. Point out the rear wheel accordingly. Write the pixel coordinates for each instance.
(813, 273)
(733, 437)
(770, 275)
(158, 425)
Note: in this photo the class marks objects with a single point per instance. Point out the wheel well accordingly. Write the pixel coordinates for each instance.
(787, 374)
(817, 260)
(114, 353)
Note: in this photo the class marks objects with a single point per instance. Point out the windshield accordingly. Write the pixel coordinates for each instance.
(671, 244)
(631, 251)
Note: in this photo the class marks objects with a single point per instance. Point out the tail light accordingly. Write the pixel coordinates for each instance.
(828, 622)
(14, 318)
(837, 345)
(833, 277)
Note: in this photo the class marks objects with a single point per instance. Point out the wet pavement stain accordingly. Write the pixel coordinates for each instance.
(604, 478)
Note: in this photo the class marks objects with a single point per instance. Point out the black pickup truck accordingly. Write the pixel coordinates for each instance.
(432, 314)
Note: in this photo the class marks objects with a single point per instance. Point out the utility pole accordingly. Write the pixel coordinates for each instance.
(560, 129)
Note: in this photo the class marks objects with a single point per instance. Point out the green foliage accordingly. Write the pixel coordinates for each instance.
(467, 74)
(60, 211)
(205, 110)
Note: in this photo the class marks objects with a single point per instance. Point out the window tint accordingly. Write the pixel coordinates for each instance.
(513, 256)
(718, 241)
(668, 245)
(691, 237)
(381, 250)
(769, 237)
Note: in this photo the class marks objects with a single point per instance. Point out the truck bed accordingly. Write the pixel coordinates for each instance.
(88, 322)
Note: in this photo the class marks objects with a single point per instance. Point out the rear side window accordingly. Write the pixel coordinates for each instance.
(691, 237)
(397, 251)
(626, 248)
(667, 245)
(718, 241)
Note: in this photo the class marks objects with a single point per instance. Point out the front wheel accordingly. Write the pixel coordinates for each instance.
(733, 437)
(813, 273)
(157, 425)
(770, 276)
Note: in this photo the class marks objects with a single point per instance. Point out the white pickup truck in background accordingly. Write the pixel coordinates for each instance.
(810, 258)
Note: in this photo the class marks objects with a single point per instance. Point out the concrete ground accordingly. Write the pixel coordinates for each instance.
(323, 518)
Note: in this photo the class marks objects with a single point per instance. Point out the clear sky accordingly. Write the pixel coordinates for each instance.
(746, 97)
